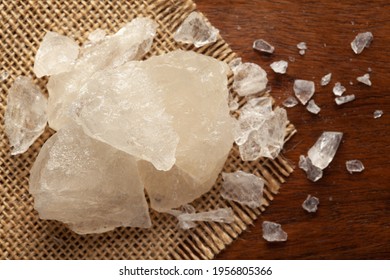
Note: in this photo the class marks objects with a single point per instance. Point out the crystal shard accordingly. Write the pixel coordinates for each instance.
(354, 165)
(313, 173)
(273, 232)
(263, 46)
(323, 151)
(361, 41)
(311, 204)
(25, 116)
(279, 66)
(196, 30)
(242, 187)
(56, 54)
(344, 99)
(302, 47)
(338, 89)
(312, 107)
(131, 42)
(3, 76)
(365, 79)
(87, 184)
(304, 90)
(377, 114)
(249, 78)
(290, 102)
(222, 215)
(326, 79)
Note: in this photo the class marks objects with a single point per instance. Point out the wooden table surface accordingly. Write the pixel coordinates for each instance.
(353, 220)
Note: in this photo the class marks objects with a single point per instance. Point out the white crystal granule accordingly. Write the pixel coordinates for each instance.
(361, 41)
(354, 165)
(249, 78)
(344, 99)
(26, 114)
(304, 90)
(196, 30)
(365, 79)
(377, 114)
(311, 204)
(242, 187)
(338, 89)
(56, 54)
(290, 102)
(312, 107)
(326, 79)
(263, 46)
(273, 232)
(279, 66)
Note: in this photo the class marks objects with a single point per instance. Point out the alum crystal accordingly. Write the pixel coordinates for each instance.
(326, 79)
(304, 90)
(344, 99)
(249, 78)
(365, 79)
(338, 89)
(273, 232)
(311, 204)
(312, 107)
(222, 215)
(196, 30)
(361, 41)
(313, 173)
(3, 76)
(263, 46)
(25, 117)
(290, 102)
(302, 47)
(242, 187)
(279, 66)
(354, 165)
(377, 114)
(323, 151)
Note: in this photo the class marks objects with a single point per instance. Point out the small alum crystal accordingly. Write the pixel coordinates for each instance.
(3, 76)
(354, 165)
(290, 102)
(304, 90)
(222, 215)
(279, 66)
(378, 114)
(313, 172)
(344, 99)
(263, 46)
(273, 232)
(365, 79)
(311, 204)
(361, 41)
(338, 89)
(312, 107)
(302, 48)
(326, 79)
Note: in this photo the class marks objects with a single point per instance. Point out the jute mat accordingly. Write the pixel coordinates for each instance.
(22, 234)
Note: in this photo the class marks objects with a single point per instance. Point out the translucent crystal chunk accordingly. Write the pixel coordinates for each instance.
(222, 215)
(279, 66)
(338, 89)
(302, 46)
(87, 184)
(344, 99)
(377, 114)
(263, 46)
(326, 79)
(196, 30)
(25, 116)
(361, 41)
(354, 165)
(304, 90)
(311, 204)
(323, 151)
(3, 76)
(242, 187)
(234, 105)
(312, 107)
(273, 232)
(56, 54)
(249, 78)
(365, 79)
(290, 101)
(313, 173)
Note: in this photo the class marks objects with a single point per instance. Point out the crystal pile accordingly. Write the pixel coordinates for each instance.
(25, 116)
(290, 102)
(249, 78)
(365, 79)
(326, 79)
(273, 232)
(344, 99)
(354, 165)
(338, 89)
(242, 187)
(263, 46)
(361, 41)
(196, 30)
(125, 125)
(311, 204)
(304, 90)
(279, 66)
(377, 114)
(312, 107)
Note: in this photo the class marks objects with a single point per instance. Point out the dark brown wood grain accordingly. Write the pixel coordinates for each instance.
(353, 220)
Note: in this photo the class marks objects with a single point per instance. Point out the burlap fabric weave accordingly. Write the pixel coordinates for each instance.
(22, 234)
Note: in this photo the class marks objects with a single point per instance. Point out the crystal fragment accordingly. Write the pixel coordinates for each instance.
(344, 99)
(354, 166)
(279, 66)
(242, 187)
(338, 89)
(290, 101)
(3, 76)
(326, 79)
(302, 48)
(131, 42)
(97, 35)
(249, 78)
(361, 41)
(311, 204)
(25, 116)
(304, 90)
(56, 54)
(235, 63)
(312, 107)
(313, 173)
(365, 79)
(263, 46)
(222, 215)
(323, 151)
(234, 105)
(377, 114)
(87, 184)
(273, 232)
(195, 30)
(302, 52)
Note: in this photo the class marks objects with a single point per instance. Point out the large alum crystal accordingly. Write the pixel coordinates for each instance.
(323, 151)
(131, 42)
(25, 116)
(87, 184)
